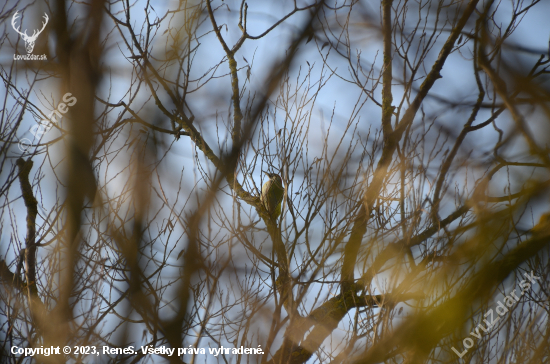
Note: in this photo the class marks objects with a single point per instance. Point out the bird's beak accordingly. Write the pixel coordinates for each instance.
(269, 174)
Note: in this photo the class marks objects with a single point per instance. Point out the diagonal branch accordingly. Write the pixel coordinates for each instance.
(235, 94)
(372, 192)
(423, 331)
(324, 320)
(31, 204)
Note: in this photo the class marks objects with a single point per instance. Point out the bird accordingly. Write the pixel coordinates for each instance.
(272, 194)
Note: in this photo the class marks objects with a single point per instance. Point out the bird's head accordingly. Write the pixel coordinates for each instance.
(275, 178)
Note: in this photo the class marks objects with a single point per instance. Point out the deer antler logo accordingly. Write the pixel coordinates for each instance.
(29, 41)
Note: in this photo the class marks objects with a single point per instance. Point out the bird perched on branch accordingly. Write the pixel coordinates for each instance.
(272, 194)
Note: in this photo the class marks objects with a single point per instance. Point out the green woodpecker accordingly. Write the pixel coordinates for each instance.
(272, 194)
